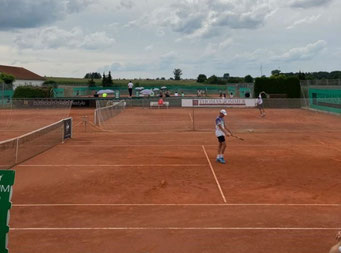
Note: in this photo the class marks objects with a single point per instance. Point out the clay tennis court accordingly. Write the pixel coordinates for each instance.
(151, 184)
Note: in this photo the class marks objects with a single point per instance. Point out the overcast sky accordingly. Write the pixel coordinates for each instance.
(149, 38)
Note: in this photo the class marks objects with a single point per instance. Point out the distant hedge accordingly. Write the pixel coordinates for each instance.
(32, 92)
(278, 85)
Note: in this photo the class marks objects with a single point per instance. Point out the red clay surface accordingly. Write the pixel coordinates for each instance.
(16, 122)
(147, 186)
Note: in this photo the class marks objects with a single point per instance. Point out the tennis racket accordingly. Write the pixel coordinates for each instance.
(237, 137)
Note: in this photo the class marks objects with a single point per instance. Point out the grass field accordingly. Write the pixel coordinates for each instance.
(124, 82)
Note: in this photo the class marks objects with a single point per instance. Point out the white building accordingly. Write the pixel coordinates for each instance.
(22, 76)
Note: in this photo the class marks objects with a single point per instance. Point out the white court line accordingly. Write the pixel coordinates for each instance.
(215, 177)
(172, 228)
(137, 145)
(336, 149)
(73, 143)
(323, 143)
(190, 116)
(111, 165)
(175, 205)
(330, 146)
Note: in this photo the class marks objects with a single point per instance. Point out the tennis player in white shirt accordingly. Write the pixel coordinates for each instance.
(221, 131)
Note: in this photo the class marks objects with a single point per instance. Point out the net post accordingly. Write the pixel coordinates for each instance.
(62, 131)
(16, 150)
(95, 117)
(193, 119)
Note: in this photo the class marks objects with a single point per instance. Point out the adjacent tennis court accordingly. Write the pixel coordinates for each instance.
(149, 183)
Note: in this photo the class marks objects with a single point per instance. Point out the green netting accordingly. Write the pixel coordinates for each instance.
(238, 90)
(58, 92)
(6, 96)
(243, 91)
(81, 91)
(325, 99)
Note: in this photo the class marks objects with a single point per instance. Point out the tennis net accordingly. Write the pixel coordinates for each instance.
(22, 148)
(106, 110)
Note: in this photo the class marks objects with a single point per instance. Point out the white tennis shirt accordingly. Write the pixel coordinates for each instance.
(221, 122)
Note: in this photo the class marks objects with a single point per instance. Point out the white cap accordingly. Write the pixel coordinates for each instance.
(223, 112)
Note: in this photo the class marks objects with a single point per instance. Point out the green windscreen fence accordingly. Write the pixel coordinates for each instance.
(81, 91)
(231, 89)
(238, 90)
(58, 93)
(244, 91)
(328, 100)
(5, 96)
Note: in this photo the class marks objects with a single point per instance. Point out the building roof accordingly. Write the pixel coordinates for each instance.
(20, 73)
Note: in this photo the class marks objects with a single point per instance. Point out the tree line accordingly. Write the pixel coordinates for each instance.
(226, 78)
(320, 75)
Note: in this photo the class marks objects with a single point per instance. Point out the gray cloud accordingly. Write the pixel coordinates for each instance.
(28, 14)
(53, 37)
(166, 61)
(127, 4)
(309, 3)
(204, 18)
(302, 53)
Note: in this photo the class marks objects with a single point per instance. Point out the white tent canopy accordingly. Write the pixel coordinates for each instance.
(146, 92)
(105, 91)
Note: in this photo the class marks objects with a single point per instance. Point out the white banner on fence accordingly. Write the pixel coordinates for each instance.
(234, 102)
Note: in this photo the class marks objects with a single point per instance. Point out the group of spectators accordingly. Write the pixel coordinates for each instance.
(168, 94)
(223, 95)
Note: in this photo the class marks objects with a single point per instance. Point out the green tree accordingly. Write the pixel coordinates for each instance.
(275, 72)
(109, 79)
(234, 79)
(248, 79)
(104, 80)
(8, 80)
(91, 83)
(50, 83)
(201, 78)
(94, 75)
(301, 75)
(226, 76)
(177, 74)
(212, 79)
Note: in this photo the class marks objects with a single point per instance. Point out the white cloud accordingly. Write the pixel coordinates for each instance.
(302, 53)
(308, 3)
(149, 47)
(208, 17)
(54, 37)
(213, 48)
(306, 20)
(126, 4)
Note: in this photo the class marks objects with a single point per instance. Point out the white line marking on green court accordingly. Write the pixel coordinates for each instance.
(171, 228)
(215, 177)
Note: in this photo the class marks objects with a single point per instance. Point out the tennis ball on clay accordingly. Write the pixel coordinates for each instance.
(163, 183)
(250, 130)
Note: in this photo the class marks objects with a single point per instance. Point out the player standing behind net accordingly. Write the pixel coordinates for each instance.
(221, 131)
(260, 105)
